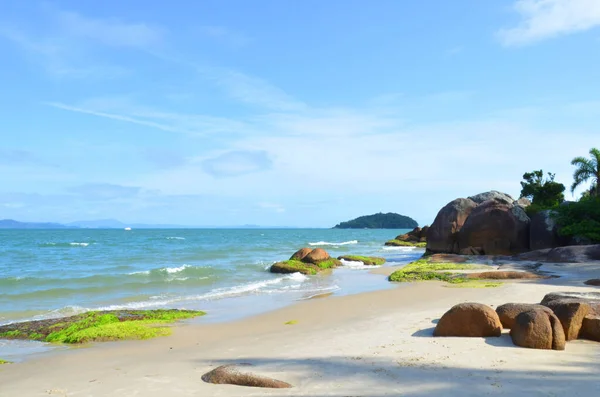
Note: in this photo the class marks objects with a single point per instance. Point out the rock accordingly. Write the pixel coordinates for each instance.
(501, 275)
(543, 232)
(413, 236)
(366, 260)
(497, 227)
(442, 235)
(315, 256)
(571, 314)
(301, 254)
(591, 298)
(538, 329)
(523, 202)
(509, 312)
(471, 251)
(469, 319)
(492, 195)
(423, 234)
(294, 266)
(590, 328)
(231, 375)
(568, 254)
(445, 258)
(594, 282)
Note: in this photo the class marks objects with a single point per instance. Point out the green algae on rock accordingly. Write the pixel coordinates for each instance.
(366, 260)
(400, 243)
(4, 362)
(306, 261)
(99, 326)
(425, 270)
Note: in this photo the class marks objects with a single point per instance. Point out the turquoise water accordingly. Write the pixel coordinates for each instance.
(52, 273)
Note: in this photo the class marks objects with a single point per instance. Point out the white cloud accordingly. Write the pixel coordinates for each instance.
(542, 19)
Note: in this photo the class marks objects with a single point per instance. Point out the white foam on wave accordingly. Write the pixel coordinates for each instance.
(329, 243)
(405, 249)
(172, 270)
(175, 238)
(79, 244)
(356, 265)
(219, 293)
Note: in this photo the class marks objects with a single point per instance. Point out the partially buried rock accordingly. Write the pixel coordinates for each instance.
(571, 314)
(594, 282)
(538, 329)
(315, 256)
(366, 260)
(231, 375)
(509, 312)
(590, 328)
(505, 276)
(469, 319)
(301, 254)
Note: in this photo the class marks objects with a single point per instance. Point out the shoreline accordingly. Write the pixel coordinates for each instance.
(371, 344)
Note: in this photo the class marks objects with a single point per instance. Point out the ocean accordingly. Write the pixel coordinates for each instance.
(56, 273)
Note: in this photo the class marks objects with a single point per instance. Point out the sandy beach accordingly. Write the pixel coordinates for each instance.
(371, 344)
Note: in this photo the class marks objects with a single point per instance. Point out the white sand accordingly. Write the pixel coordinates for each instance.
(372, 344)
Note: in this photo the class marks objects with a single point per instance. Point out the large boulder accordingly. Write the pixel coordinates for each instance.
(301, 254)
(571, 314)
(590, 328)
(442, 235)
(498, 227)
(231, 375)
(469, 319)
(543, 232)
(509, 312)
(492, 195)
(538, 329)
(315, 256)
(594, 281)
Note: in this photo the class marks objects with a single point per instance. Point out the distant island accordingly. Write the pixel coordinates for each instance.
(115, 224)
(379, 221)
(12, 224)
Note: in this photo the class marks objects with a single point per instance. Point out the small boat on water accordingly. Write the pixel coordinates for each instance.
(127, 228)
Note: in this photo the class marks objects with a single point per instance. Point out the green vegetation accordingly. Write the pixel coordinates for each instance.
(379, 221)
(293, 266)
(400, 243)
(425, 270)
(367, 260)
(99, 326)
(291, 322)
(543, 193)
(580, 219)
(4, 362)
(587, 169)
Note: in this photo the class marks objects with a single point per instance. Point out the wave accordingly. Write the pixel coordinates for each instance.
(73, 244)
(328, 243)
(175, 238)
(356, 265)
(405, 249)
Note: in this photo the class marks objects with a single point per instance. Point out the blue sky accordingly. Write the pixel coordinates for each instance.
(300, 113)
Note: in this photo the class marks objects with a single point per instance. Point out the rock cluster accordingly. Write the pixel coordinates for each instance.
(416, 237)
(559, 318)
(306, 261)
(493, 223)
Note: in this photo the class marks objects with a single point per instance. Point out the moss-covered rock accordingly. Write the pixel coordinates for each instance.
(312, 262)
(367, 260)
(424, 270)
(98, 326)
(400, 243)
(4, 362)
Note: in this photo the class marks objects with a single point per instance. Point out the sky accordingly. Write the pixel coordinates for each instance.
(288, 112)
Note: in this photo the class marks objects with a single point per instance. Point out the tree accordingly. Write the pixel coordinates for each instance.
(543, 193)
(587, 169)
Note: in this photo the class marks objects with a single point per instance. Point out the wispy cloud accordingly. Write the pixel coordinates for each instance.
(236, 163)
(543, 19)
(105, 191)
(226, 35)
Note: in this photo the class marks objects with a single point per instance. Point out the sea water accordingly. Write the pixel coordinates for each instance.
(56, 273)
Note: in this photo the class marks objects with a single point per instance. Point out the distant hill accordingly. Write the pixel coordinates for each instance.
(379, 221)
(12, 224)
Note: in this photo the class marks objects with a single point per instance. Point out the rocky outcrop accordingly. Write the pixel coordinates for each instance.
(594, 281)
(499, 228)
(571, 314)
(442, 235)
(306, 261)
(301, 254)
(538, 329)
(570, 254)
(416, 237)
(366, 260)
(502, 275)
(231, 375)
(469, 319)
(492, 195)
(590, 328)
(509, 312)
(315, 256)
(543, 232)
